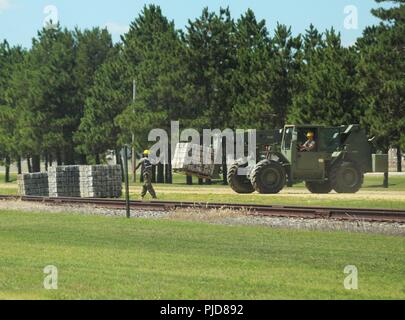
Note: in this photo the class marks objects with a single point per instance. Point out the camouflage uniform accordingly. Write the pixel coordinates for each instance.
(147, 177)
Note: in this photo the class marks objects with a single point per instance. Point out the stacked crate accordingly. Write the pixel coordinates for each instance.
(193, 159)
(100, 181)
(64, 181)
(33, 184)
(73, 181)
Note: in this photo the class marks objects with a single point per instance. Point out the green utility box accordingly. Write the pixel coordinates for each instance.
(380, 162)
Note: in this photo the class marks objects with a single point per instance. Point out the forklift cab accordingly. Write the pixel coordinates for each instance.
(308, 165)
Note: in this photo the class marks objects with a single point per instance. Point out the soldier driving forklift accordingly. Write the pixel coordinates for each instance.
(310, 144)
(332, 158)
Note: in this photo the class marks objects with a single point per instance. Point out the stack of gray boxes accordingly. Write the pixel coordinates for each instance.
(100, 181)
(193, 159)
(64, 181)
(34, 184)
(73, 181)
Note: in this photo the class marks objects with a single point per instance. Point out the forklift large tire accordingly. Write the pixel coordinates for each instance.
(268, 177)
(346, 177)
(239, 184)
(318, 187)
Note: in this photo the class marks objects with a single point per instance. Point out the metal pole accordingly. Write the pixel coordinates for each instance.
(386, 180)
(127, 204)
(133, 162)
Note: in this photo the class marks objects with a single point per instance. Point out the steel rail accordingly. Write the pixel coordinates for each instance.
(335, 213)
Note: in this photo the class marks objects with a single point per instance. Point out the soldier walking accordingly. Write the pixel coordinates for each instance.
(147, 175)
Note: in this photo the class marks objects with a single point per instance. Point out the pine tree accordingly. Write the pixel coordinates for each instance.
(251, 79)
(285, 65)
(94, 47)
(10, 59)
(107, 98)
(210, 60)
(154, 55)
(48, 113)
(327, 91)
(264, 78)
(381, 76)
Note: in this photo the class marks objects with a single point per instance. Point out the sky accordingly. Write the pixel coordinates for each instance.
(21, 19)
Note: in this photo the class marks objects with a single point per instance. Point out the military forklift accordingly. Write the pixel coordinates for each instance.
(339, 160)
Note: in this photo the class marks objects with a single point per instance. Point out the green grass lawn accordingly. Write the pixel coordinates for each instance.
(397, 183)
(275, 200)
(372, 184)
(114, 258)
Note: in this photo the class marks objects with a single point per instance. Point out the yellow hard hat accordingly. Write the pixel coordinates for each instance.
(310, 135)
(146, 152)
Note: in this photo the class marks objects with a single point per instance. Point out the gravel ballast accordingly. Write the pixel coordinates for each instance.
(224, 217)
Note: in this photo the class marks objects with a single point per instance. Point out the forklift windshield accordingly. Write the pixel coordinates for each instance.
(288, 135)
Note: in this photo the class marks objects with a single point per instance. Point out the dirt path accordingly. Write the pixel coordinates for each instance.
(300, 193)
(287, 193)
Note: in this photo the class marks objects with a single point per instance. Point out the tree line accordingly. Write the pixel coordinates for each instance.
(68, 99)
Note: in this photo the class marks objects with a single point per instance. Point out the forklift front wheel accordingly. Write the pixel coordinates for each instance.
(239, 183)
(268, 177)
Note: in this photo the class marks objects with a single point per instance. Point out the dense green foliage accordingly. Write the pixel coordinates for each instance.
(69, 98)
(326, 91)
(10, 62)
(381, 75)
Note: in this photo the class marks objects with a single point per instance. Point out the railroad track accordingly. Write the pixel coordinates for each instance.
(348, 214)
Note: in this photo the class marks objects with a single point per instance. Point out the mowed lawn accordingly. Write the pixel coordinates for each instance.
(362, 200)
(373, 195)
(116, 258)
